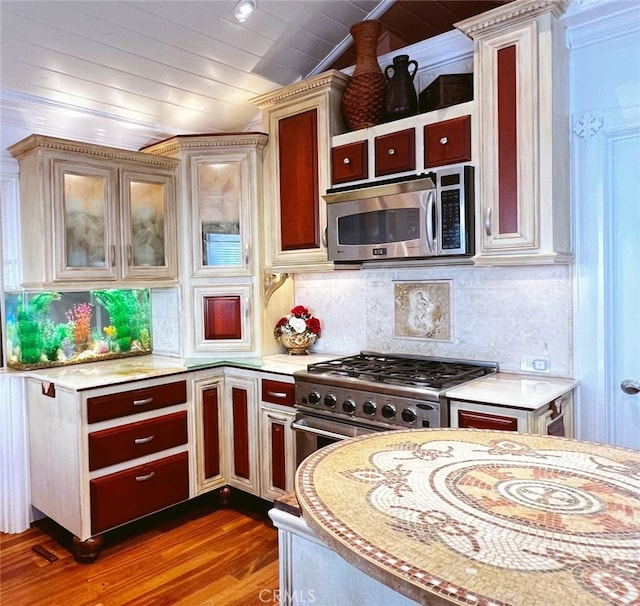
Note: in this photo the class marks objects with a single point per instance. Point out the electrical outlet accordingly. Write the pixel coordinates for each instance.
(534, 363)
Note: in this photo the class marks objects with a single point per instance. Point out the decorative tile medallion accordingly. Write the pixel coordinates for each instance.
(423, 310)
(481, 517)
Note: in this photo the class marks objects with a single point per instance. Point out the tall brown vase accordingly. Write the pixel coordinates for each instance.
(363, 99)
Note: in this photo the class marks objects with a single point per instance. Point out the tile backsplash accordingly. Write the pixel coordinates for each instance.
(498, 314)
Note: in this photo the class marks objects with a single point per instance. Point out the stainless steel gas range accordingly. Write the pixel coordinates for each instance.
(371, 391)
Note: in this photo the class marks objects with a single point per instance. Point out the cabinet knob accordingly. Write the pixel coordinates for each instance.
(391, 151)
(443, 140)
(346, 161)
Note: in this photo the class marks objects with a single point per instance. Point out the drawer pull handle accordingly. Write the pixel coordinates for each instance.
(391, 151)
(346, 161)
(277, 394)
(142, 402)
(277, 417)
(143, 440)
(145, 477)
(444, 140)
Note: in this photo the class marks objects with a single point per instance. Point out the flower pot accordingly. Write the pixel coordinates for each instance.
(297, 343)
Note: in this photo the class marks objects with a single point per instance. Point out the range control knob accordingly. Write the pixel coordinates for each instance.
(349, 406)
(330, 401)
(369, 407)
(408, 415)
(388, 411)
(314, 397)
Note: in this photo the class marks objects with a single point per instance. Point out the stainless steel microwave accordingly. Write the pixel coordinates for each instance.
(429, 216)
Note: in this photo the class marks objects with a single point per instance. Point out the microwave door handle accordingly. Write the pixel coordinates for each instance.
(431, 202)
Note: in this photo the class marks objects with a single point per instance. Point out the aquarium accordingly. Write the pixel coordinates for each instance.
(46, 329)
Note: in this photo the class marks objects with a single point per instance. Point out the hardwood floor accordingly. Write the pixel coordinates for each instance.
(193, 554)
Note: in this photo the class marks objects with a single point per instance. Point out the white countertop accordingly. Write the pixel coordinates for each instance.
(111, 372)
(508, 389)
(515, 390)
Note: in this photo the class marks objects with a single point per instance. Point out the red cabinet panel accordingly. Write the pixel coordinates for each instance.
(124, 496)
(299, 185)
(395, 152)
(507, 141)
(447, 142)
(349, 162)
(239, 403)
(278, 457)
(277, 392)
(112, 406)
(222, 317)
(483, 420)
(126, 442)
(211, 430)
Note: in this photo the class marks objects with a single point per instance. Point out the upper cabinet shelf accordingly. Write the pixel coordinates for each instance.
(405, 147)
(94, 215)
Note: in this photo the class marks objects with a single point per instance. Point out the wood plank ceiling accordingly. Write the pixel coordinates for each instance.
(131, 73)
(406, 22)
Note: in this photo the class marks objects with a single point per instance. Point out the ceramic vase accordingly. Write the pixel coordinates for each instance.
(363, 99)
(401, 99)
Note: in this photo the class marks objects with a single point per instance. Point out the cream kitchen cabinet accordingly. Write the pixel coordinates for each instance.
(277, 463)
(211, 455)
(243, 433)
(515, 402)
(300, 120)
(220, 182)
(241, 422)
(521, 83)
(103, 457)
(554, 418)
(95, 215)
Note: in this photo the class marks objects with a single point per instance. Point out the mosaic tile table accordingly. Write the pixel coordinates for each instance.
(450, 516)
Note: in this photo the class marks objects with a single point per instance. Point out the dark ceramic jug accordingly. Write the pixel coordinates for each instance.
(401, 99)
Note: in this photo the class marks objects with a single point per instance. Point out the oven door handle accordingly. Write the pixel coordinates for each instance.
(320, 432)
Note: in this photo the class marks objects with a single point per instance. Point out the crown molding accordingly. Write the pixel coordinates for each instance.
(519, 10)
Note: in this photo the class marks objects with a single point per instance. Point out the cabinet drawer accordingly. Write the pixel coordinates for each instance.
(447, 142)
(112, 406)
(278, 392)
(349, 162)
(395, 152)
(136, 439)
(483, 420)
(124, 496)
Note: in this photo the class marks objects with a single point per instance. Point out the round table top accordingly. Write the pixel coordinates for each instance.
(459, 516)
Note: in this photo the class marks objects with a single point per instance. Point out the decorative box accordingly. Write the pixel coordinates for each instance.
(446, 90)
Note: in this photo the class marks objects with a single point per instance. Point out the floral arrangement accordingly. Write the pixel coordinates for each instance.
(299, 322)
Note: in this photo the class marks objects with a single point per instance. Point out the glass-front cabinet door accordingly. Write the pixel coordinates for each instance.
(148, 230)
(85, 216)
(222, 214)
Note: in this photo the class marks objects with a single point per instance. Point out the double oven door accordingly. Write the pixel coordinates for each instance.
(313, 431)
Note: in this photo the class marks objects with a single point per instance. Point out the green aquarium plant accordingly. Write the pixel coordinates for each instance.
(53, 336)
(31, 318)
(129, 313)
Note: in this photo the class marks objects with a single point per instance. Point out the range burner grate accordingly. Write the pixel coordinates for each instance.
(435, 373)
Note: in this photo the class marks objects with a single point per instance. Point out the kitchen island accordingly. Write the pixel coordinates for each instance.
(454, 516)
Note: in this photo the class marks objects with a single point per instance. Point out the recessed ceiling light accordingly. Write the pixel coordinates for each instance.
(243, 9)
